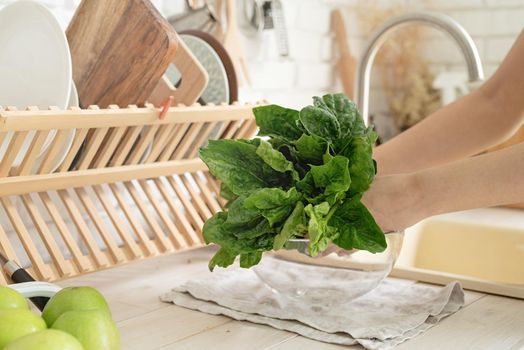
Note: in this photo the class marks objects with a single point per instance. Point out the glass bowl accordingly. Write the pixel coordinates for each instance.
(333, 277)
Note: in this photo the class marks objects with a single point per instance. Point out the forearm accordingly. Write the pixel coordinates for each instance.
(466, 127)
(488, 180)
(399, 201)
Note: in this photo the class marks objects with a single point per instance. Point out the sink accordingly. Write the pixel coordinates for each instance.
(482, 248)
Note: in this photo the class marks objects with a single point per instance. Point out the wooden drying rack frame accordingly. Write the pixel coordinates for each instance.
(138, 189)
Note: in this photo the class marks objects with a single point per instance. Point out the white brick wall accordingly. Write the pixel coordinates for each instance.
(493, 24)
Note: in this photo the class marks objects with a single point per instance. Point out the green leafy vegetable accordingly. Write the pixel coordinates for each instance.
(304, 180)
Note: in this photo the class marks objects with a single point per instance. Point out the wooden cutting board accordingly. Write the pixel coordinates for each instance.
(120, 49)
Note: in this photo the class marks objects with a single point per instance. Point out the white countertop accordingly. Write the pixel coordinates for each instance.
(132, 290)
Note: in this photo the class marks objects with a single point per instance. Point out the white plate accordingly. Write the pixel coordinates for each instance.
(60, 156)
(35, 63)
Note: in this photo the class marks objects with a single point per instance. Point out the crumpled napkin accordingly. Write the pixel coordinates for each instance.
(390, 314)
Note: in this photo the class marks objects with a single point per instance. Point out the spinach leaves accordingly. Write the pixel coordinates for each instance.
(305, 178)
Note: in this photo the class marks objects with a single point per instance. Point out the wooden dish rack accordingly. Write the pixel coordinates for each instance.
(138, 189)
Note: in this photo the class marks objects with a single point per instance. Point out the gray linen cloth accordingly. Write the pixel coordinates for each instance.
(390, 314)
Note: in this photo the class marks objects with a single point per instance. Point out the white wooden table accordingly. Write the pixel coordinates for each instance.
(486, 322)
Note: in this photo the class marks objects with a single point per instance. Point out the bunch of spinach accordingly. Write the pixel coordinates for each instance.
(305, 179)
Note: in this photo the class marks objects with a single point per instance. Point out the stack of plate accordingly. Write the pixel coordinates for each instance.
(35, 66)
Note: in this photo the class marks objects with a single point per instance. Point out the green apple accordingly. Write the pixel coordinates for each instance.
(49, 339)
(15, 323)
(11, 299)
(74, 298)
(93, 328)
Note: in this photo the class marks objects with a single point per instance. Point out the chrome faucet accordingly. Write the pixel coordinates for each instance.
(440, 21)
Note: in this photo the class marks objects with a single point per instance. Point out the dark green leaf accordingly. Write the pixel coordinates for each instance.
(238, 166)
(272, 203)
(320, 122)
(311, 148)
(222, 258)
(333, 176)
(356, 227)
(346, 112)
(277, 121)
(361, 166)
(275, 159)
(250, 259)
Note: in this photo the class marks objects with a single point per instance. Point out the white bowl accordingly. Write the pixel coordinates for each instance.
(335, 275)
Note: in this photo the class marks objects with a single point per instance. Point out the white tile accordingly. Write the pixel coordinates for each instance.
(314, 16)
(273, 75)
(490, 21)
(497, 49)
(315, 75)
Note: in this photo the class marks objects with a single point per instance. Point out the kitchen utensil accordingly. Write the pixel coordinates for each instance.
(218, 31)
(18, 275)
(233, 43)
(279, 24)
(263, 15)
(347, 64)
(35, 289)
(353, 273)
(217, 90)
(35, 66)
(197, 16)
(226, 62)
(120, 49)
(195, 79)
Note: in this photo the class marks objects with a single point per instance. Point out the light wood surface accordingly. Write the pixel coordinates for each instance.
(120, 49)
(486, 322)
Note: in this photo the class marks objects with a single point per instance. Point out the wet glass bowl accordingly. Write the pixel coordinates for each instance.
(334, 277)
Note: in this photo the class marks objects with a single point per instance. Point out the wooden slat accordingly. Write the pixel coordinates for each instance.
(42, 269)
(160, 141)
(194, 218)
(180, 218)
(109, 240)
(146, 244)
(247, 131)
(243, 130)
(63, 266)
(83, 230)
(15, 185)
(144, 142)
(127, 142)
(174, 140)
(33, 152)
(93, 143)
(204, 211)
(80, 136)
(153, 224)
(83, 264)
(118, 224)
(11, 152)
(213, 185)
(51, 153)
(187, 141)
(231, 129)
(85, 118)
(113, 140)
(207, 195)
(200, 140)
(178, 239)
(5, 246)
